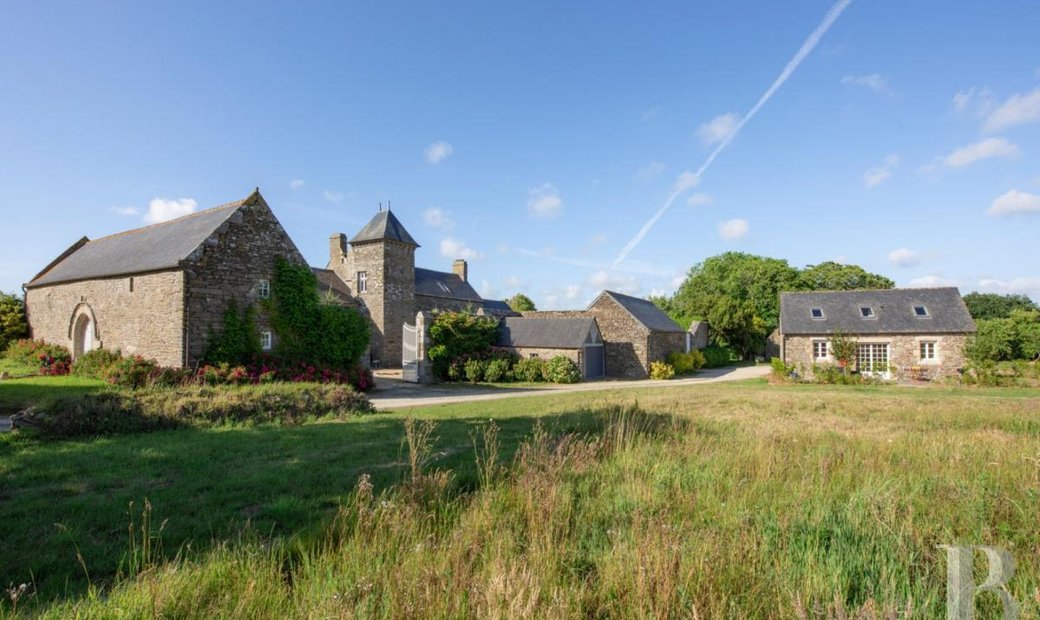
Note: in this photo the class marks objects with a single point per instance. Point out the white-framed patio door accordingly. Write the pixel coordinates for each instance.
(872, 359)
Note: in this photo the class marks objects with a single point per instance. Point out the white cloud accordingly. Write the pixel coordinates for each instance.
(874, 82)
(296, 183)
(1023, 286)
(933, 281)
(650, 171)
(163, 209)
(513, 282)
(1019, 109)
(686, 180)
(904, 257)
(332, 195)
(615, 281)
(875, 176)
(719, 129)
(1014, 202)
(985, 149)
(544, 202)
(732, 230)
(438, 152)
(438, 218)
(488, 290)
(453, 248)
(698, 200)
(126, 210)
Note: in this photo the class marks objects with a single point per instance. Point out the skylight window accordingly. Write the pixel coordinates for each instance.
(444, 287)
(866, 312)
(817, 313)
(921, 312)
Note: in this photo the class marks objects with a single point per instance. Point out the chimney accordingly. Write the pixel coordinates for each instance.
(461, 269)
(337, 248)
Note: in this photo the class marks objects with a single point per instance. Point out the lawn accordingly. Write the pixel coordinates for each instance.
(722, 500)
(17, 394)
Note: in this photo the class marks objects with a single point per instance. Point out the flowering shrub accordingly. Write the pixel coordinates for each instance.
(132, 372)
(96, 363)
(562, 369)
(685, 363)
(661, 370)
(530, 369)
(48, 359)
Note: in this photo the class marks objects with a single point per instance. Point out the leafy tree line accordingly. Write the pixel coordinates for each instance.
(13, 325)
(1008, 328)
(739, 294)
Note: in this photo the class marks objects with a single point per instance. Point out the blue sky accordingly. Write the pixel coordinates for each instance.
(536, 139)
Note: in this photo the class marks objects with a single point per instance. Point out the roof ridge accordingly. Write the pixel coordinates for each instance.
(226, 205)
(870, 290)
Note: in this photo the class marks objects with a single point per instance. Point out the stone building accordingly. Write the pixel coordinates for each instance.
(576, 338)
(158, 291)
(900, 333)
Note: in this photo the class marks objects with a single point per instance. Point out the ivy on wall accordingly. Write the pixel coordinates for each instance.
(238, 341)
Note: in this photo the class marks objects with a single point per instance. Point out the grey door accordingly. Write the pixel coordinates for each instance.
(594, 360)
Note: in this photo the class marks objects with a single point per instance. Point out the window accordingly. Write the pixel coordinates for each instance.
(444, 287)
(263, 289)
(265, 340)
(872, 358)
(866, 312)
(362, 282)
(819, 349)
(817, 313)
(927, 349)
(920, 312)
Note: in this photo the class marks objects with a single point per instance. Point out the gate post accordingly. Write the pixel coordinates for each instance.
(422, 345)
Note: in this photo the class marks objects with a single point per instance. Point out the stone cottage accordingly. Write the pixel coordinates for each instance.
(576, 338)
(900, 333)
(157, 291)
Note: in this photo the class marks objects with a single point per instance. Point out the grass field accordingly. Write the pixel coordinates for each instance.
(722, 500)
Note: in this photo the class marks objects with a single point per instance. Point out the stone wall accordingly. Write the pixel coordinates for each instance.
(903, 351)
(147, 320)
(389, 294)
(625, 339)
(229, 266)
(575, 355)
(661, 344)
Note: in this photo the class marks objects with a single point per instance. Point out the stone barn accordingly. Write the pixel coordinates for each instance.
(900, 333)
(636, 333)
(576, 338)
(158, 291)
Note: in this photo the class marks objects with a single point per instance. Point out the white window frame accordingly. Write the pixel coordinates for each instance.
(926, 314)
(870, 310)
(266, 340)
(263, 289)
(362, 281)
(873, 358)
(933, 346)
(816, 345)
(817, 318)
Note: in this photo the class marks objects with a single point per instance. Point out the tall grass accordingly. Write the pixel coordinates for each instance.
(796, 505)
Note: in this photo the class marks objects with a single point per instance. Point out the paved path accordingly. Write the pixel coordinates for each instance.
(397, 394)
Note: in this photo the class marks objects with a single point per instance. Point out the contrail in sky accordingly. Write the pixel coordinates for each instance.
(688, 180)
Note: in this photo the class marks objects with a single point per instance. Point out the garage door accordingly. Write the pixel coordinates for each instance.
(594, 362)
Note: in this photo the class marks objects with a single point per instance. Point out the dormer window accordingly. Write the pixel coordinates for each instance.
(921, 312)
(263, 289)
(867, 312)
(362, 282)
(817, 313)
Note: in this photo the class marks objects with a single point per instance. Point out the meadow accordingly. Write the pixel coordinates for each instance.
(739, 500)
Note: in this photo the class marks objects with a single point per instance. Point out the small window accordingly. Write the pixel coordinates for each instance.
(866, 312)
(263, 289)
(920, 312)
(362, 282)
(131, 285)
(265, 340)
(927, 351)
(817, 313)
(444, 287)
(819, 349)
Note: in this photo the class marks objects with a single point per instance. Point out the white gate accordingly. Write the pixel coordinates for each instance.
(410, 353)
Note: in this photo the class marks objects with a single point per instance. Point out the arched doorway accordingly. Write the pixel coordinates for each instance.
(82, 335)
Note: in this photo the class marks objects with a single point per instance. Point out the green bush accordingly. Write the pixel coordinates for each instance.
(781, 371)
(716, 356)
(96, 363)
(530, 369)
(497, 370)
(455, 335)
(123, 411)
(131, 372)
(685, 363)
(474, 370)
(661, 370)
(48, 359)
(562, 369)
(13, 324)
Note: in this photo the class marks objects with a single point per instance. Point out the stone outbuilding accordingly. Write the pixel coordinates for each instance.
(697, 335)
(158, 291)
(900, 333)
(576, 338)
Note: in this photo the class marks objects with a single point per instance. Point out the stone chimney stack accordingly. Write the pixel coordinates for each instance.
(337, 249)
(461, 269)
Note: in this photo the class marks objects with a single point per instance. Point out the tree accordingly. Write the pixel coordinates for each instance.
(521, 303)
(843, 349)
(13, 324)
(734, 323)
(994, 306)
(832, 276)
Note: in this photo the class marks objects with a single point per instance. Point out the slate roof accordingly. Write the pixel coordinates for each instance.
(652, 317)
(384, 225)
(547, 333)
(151, 248)
(894, 309)
(499, 308)
(443, 284)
